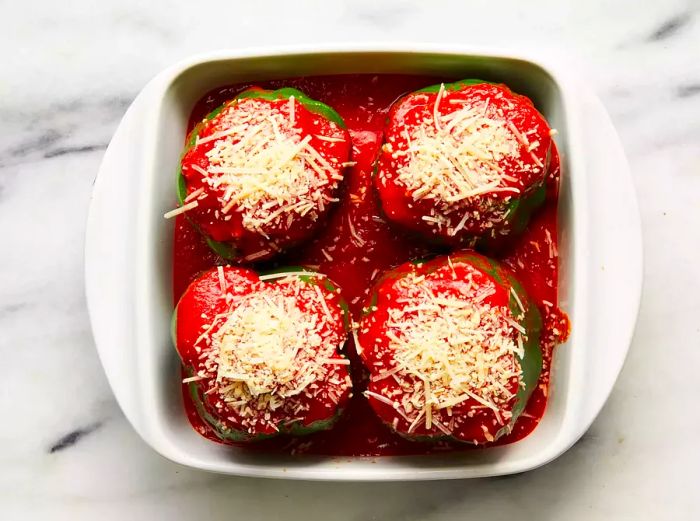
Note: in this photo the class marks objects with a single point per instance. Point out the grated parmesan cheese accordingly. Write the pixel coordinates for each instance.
(182, 209)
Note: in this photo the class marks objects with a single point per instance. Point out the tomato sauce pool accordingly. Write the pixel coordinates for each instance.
(356, 245)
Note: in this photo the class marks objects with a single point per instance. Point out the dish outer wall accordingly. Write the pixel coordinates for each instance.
(128, 256)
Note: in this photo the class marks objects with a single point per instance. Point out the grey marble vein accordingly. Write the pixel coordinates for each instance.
(687, 90)
(670, 27)
(69, 440)
(34, 144)
(62, 151)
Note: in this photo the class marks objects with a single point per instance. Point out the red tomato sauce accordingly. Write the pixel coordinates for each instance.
(356, 245)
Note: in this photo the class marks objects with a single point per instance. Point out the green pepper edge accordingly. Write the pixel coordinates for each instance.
(455, 85)
(520, 210)
(312, 105)
(227, 434)
(224, 250)
(530, 320)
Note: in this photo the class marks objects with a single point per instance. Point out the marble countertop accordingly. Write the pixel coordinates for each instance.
(70, 70)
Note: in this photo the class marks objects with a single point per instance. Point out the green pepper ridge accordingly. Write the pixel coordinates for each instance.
(226, 434)
(455, 85)
(311, 104)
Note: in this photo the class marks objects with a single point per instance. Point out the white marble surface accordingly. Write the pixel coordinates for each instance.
(69, 71)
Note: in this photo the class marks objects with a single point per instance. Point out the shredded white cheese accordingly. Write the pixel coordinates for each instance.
(182, 209)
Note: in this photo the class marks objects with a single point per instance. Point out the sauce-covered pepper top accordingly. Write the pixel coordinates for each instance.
(463, 161)
(263, 353)
(261, 171)
(452, 346)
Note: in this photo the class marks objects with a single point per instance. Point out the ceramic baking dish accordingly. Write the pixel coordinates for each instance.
(129, 254)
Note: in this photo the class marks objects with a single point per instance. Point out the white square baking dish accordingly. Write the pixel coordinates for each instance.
(129, 252)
